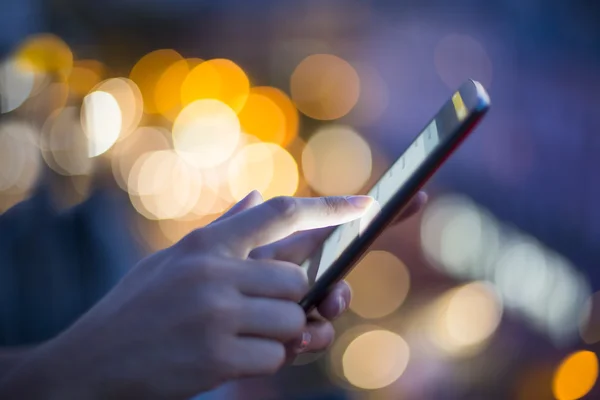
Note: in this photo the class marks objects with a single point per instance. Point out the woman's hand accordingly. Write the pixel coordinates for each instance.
(319, 333)
(194, 315)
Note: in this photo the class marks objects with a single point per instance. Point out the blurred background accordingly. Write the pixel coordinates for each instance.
(126, 124)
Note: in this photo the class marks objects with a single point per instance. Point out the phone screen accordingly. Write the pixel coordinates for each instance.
(437, 140)
(382, 192)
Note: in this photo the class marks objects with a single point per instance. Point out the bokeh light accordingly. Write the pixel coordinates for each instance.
(457, 237)
(16, 85)
(206, 133)
(380, 283)
(523, 275)
(461, 57)
(463, 240)
(589, 327)
(51, 99)
(167, 96)
(466, 317)
(101, 121)
(163, 186)
(286, 106)
(218, 79)
(375, 359)
(143, 140)
(64, 144)
(45, 53)
(129, 97)
(576, 376)
(84, 76)
(20, 159)
(325, 87)
(262, 117)
(336, 161)
(266, 167)
(374, 97)
(147, 72)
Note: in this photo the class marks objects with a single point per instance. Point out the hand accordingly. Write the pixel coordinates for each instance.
(192, 316)
(319, 333)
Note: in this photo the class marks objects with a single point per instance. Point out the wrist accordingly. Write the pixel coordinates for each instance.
(45, 373)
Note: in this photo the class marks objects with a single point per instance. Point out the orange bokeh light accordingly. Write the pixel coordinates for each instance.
(84, 76)
(262, 117)
(147, 72)
(167, 96)
(325, 87)
(218, 79)
(286, 106)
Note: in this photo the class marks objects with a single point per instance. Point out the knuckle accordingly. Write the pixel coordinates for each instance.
(221, 307)
(332, 204)
(284, 206)
(262, 253)
(208, 269)
(197, 239)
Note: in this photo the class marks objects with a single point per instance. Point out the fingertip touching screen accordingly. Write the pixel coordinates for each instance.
(451, 120)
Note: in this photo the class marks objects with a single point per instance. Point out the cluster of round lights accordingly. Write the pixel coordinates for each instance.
(186, 137)
(467, 242)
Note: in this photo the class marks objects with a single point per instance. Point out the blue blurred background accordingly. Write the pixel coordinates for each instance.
(126, 124)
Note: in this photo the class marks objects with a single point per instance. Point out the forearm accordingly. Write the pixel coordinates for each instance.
(38, 373)
(10, 357)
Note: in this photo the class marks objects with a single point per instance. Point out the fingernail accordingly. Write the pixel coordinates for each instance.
(304, 342)
(341, 305)
(361, 202)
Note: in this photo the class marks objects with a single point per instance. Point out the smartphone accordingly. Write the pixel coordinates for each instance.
(340, 252)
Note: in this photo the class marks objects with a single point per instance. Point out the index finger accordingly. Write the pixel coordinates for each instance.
(280, 217)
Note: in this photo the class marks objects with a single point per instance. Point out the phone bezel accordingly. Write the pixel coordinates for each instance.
(477, 102)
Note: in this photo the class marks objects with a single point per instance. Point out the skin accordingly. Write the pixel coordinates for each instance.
(219, 305)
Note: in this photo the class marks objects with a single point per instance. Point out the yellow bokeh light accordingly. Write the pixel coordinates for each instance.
(265, 167)
(85, 75)
(219, 79)
(286, 106)
(461, 57)
(262, 117)
(45, 53)
(16, 85)
(380, 283)
(375, 359)
(465, 318)
(64, 144)
(127, 152)
(129, 97)
(147, 72)
(336, 161)
(216, 192)
(325, 87)
(166, 185)
(206, 133)
(20, 159)
(101, 121)
(167, 96)
(576, 376)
